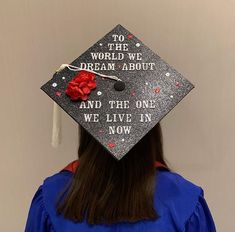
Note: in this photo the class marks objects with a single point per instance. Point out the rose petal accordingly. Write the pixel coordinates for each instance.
(84, 75)
(73, 82)
(73, 95)
(84, 98)
(91, 84)
(82, 84)
(80, 91)
(93, 77)
(86, 90)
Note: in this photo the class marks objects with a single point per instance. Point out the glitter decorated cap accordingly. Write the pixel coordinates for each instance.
(117, 90)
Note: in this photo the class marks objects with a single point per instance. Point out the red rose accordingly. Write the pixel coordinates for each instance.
(81, 86)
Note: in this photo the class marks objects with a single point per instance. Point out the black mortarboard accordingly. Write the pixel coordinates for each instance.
(117, 90)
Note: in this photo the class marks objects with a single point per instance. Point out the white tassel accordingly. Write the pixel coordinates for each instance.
(56, 127)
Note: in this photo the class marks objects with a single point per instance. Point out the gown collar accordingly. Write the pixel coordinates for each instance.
(74, 164)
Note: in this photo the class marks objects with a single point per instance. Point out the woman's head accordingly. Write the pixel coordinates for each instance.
(105, 190)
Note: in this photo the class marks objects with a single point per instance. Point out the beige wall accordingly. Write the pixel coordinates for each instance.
(196, 37)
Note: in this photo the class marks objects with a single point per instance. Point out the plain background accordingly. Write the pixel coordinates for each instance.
(195, 37)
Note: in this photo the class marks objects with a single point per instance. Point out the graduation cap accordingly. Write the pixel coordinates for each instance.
(117, 90)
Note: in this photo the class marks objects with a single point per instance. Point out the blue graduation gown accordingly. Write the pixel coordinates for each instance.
(180, 204)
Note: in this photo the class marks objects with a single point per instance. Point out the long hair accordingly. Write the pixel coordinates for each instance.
(105, 191)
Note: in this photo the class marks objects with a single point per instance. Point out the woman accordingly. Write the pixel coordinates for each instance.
(137, 193)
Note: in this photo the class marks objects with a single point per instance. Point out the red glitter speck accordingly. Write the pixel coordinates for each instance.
(130, 36)
(157, 90)
(133, 94)
(177, 84)
(111, 145)
(58, 93)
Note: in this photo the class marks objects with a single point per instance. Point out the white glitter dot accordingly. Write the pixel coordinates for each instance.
(167, 74)
(99, 93)
(101, 44)
(63, 78)
(137, 45)
(171, 96)
(123, 140)
(146, 83)
(54, 84)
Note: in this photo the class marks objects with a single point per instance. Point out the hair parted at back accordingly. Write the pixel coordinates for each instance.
(104, 190)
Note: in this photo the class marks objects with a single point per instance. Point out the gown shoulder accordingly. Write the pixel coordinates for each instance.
(40, 213)
(185, 201)
(38, 217)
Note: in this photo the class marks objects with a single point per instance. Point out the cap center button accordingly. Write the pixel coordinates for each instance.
(119, 85)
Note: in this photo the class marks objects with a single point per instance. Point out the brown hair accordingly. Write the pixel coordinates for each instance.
(104, 190)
